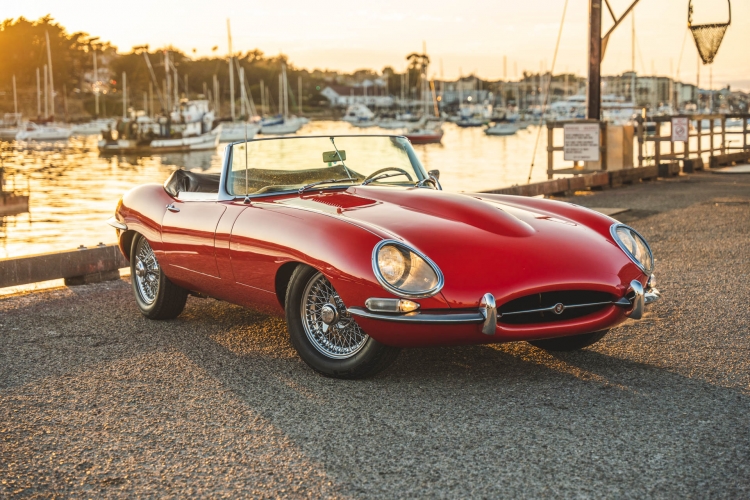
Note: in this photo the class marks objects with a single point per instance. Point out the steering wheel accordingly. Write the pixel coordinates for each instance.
(386, 169)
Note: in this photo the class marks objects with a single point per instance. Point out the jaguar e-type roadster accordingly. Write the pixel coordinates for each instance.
(364, 253)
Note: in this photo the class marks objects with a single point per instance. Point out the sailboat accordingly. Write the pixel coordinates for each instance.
(238, 130)
(287, 124)
(49, 131)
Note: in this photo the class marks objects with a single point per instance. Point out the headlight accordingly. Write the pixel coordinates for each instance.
(405, 272)
(634, 245)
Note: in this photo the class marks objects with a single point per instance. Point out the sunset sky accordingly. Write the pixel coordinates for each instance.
(468, 36)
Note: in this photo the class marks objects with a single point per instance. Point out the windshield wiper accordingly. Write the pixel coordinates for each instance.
(313, 184)
(378, 177)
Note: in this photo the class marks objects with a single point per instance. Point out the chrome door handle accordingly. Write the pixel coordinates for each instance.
(172, 208)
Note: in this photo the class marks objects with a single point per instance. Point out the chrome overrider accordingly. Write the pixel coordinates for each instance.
(635, 300)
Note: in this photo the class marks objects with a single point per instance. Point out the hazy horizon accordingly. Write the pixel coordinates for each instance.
(471, 39)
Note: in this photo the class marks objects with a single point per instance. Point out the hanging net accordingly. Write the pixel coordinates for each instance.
(707, 37)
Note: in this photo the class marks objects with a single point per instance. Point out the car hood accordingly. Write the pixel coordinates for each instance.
(501, 245)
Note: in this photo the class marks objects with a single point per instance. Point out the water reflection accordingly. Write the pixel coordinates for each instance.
(74, 189)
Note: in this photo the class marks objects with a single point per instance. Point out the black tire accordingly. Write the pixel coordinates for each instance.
(572, 343)
(370, 357)
(169, 299)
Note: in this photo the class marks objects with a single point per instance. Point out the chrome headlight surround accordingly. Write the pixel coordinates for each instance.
(646, 267)
(421, 294)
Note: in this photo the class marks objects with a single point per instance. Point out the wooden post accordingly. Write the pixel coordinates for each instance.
(603, 140)
(744, 133)
(550, 149)
(699, 134)
(723, 134)
(593, 91)
(657, 144)
(711, 138)
(640, 141)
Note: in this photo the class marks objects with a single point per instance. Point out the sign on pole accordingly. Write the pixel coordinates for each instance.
(679, 129)
(581, 141)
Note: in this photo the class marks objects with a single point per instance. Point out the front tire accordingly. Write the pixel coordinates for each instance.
(572, 343)
(325, 336)
(156, 296)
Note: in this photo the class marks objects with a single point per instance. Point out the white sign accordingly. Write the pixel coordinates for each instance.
(581, 142)
(679, 129)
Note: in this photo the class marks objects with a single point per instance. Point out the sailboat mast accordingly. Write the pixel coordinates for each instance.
(15, 98)
(38, 96)
(95, 88)
(168, 81)
(51, 80)
(286, 93)
(124, 95)
(231, 71)
(299, 94)
(632, 59)
(46, 94)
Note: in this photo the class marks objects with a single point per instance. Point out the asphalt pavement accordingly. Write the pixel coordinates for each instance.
(97, 401)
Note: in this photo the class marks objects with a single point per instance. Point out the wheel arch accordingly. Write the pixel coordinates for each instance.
(283, 277)
(126, 241)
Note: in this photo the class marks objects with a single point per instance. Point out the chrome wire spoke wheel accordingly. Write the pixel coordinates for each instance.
(146, 272)
(328, 326)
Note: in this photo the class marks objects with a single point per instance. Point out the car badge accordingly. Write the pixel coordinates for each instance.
(558, 309)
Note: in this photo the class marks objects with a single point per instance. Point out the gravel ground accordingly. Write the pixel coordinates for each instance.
(95, 400)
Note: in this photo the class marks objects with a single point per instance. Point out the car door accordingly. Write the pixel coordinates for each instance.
(188, 234)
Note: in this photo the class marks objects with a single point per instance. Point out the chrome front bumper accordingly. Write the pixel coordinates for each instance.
(635, 300)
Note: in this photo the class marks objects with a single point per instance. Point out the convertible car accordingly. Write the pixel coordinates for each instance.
(364, 253)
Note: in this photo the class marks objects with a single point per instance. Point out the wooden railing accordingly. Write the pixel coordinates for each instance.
(663, 149)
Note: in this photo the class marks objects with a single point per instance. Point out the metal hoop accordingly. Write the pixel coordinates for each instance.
(328, 325)
(147, 272)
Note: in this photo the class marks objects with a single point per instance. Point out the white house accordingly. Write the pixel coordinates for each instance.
(369, 95)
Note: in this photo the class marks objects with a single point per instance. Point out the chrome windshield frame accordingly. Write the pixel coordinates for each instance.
(224, 194)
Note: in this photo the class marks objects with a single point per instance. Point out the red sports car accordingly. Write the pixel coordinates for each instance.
(360, 248)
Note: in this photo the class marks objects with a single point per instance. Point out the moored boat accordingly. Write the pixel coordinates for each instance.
(502, 128)
(187, 129)
(425, 133)
(43, 133)
(237, 131)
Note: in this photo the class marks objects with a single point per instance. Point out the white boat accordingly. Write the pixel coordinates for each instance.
(287, 126)
(237, 131)
(41, 133)
(391, 124)
(364, 123)
(93, 127)
(10, 126)
(502, 128)
(358, 113)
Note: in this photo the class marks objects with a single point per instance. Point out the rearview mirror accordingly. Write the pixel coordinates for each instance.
(333, 156)
(434, 173)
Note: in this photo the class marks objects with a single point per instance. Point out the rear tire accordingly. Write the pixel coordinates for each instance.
(156, 296)
(572, 343)
(340, 349)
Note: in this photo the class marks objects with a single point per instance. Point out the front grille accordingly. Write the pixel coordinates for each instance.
(575, 304)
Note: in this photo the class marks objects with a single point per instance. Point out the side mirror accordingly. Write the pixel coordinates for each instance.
(434, 173)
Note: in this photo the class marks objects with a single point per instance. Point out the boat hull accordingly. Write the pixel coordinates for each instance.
(424, 138)
(203, 142)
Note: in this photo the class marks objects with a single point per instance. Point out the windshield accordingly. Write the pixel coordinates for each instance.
(290, 163)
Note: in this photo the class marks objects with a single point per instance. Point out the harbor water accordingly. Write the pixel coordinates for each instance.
(74, 189)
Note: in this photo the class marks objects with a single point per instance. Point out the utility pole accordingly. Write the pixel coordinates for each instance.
(593, 91)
